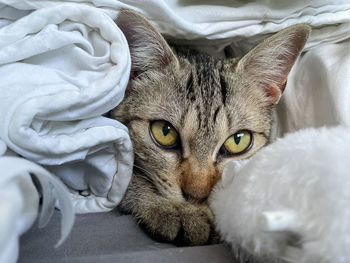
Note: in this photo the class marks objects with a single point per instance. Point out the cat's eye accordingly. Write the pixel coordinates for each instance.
(164, 134)
(237, 143)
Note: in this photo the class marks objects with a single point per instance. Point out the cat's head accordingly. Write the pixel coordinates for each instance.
(188, 113)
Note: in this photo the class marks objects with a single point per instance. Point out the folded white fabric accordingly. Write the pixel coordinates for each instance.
(239, 23)
(290, 201)
(317, 92)
(19, 201)
(61, 68)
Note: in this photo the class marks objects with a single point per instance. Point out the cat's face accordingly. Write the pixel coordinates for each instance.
(188, 113)
(204, 104)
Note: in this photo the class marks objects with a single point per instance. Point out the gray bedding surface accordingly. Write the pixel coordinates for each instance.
(109, 237)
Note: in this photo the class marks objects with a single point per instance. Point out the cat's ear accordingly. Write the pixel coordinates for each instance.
(148, 49)
(269, 63)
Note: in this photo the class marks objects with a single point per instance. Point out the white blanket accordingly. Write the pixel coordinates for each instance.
(318, 91)
(61, 68)
(19, 201)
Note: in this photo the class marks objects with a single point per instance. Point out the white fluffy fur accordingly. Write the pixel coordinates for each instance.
(291, 200)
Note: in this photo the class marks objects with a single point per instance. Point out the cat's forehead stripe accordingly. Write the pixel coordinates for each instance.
(207, 90)
(223, 89)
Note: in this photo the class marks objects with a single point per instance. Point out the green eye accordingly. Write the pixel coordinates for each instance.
(164, 134)
(238, 143)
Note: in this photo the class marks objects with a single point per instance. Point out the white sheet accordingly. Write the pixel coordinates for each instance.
(318, 91)
(19, 201)
(240, 23)
(61, 68)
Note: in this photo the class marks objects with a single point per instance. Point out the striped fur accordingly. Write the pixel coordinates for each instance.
(206, 100)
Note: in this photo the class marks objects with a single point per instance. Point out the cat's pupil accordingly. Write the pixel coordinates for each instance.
(166, 130)
(237, 137)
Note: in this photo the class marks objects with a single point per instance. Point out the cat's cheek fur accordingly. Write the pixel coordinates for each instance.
(158, 164)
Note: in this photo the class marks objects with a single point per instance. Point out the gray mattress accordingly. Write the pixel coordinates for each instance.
(109, 237)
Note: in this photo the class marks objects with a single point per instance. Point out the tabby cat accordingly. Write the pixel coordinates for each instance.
(188, 114)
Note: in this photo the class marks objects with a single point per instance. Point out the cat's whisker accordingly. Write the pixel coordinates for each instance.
(158, 182)
(148, 178)
(142, 169)
(145, 177)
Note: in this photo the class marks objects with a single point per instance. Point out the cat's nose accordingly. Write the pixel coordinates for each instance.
(196, 187)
